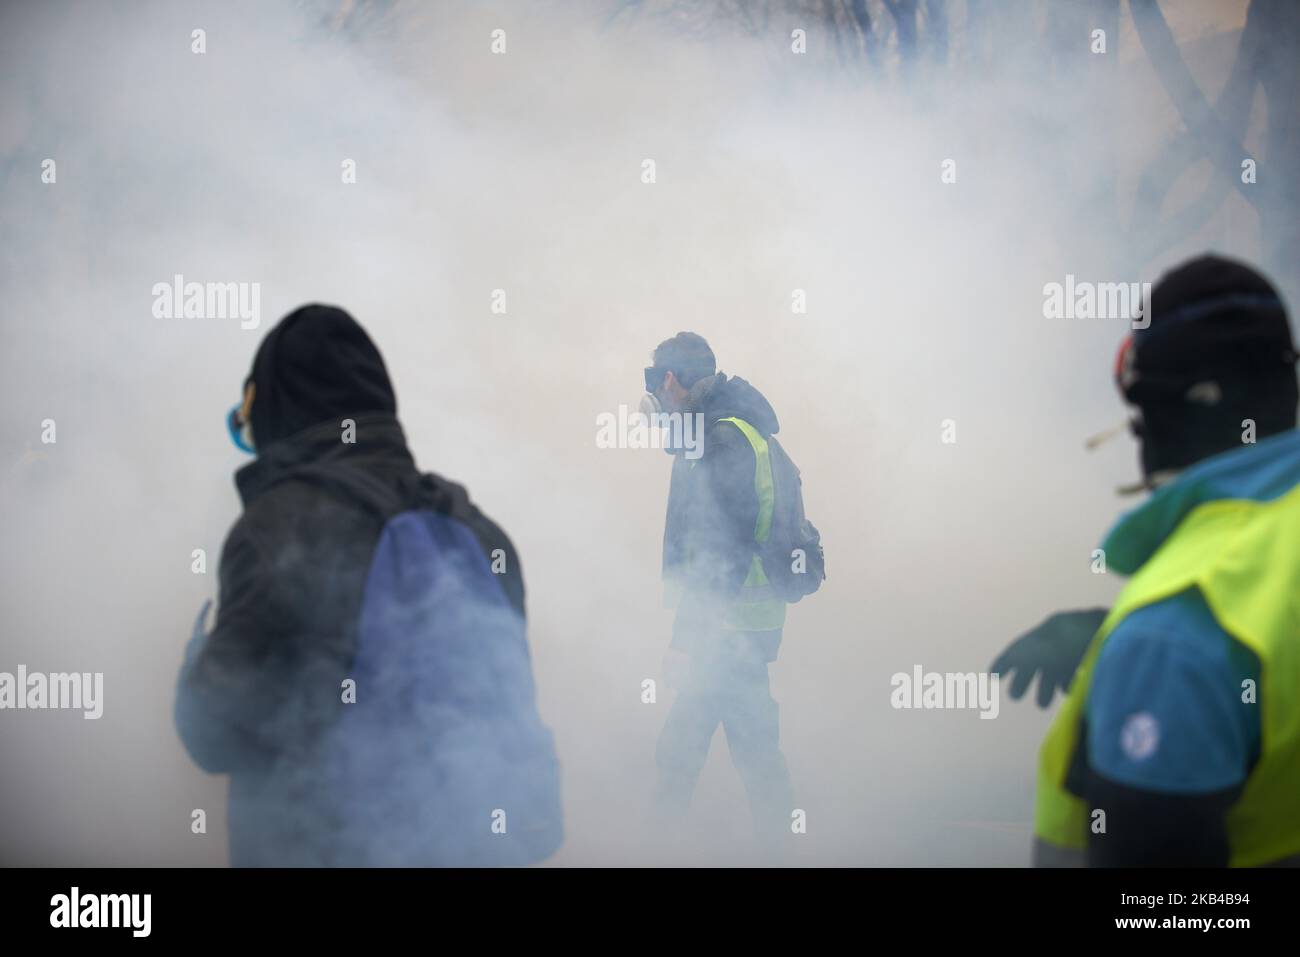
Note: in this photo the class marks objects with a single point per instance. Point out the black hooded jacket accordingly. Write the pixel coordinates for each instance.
(713, 505)
(256, 694)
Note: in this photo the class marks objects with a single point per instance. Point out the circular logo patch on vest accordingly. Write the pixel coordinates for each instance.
(1140, 736)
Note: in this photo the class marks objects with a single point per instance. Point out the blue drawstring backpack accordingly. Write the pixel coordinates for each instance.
(443, 759)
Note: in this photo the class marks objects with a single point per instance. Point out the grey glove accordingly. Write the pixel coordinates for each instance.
(1055, 647)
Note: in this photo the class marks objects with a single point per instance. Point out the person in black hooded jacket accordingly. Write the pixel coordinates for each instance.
(726, 630)
(264, 696)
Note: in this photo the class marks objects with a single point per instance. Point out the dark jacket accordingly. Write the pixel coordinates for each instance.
(713, 510)
(260, 697)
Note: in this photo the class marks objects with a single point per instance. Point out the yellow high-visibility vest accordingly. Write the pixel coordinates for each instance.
(1244, 557)
(757, 608)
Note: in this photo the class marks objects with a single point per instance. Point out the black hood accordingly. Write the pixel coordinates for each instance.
(1215, 323)
(719, 397)
(316, 365)
(364, 469)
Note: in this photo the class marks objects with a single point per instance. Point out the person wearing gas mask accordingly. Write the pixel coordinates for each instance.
(1178, 743)
(367, 685)
(729, 618)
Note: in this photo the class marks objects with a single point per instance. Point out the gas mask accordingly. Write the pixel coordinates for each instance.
(241, 432)
(651, 404)
(652, 407)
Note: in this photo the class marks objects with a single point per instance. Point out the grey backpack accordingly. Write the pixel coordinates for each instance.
(793, 559)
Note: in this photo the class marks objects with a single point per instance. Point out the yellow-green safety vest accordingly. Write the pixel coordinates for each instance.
(1244, 557)
(757, 608)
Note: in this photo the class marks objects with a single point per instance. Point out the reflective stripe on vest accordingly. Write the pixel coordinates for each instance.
(1244, 557)
(757, 609)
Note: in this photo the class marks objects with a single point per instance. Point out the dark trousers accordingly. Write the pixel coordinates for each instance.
(732, 691)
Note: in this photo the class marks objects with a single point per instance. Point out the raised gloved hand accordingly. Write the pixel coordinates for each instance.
(1055, 647)
(199, 633)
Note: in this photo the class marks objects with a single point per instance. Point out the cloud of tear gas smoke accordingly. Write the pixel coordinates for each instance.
(523, 172)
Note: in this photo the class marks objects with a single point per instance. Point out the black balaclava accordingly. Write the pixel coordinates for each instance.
(1218, 350)
(316, 365)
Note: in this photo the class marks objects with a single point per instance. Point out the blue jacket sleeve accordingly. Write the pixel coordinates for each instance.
(1167, 710)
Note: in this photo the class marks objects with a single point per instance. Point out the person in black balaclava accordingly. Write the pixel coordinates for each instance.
(1176, 745)
(368, 615)
(317, 364)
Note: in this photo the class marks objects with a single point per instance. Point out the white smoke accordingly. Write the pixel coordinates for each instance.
(523, 172)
